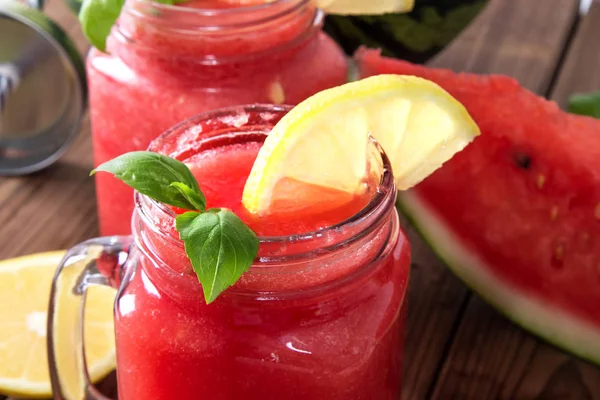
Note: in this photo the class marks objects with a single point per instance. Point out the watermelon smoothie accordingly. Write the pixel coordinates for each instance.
(320, 314)
(164, 64)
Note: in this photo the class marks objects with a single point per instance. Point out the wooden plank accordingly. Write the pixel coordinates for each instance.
(513, 37)
(52, 209)
(519, 38)
(492, 358)
(581, 71)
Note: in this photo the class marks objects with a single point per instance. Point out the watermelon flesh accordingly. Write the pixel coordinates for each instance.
(516, 214)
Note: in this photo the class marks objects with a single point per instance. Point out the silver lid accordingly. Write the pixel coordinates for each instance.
(42, 89)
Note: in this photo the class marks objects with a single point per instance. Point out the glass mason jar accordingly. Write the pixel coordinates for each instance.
(165, 63)
(319, 315)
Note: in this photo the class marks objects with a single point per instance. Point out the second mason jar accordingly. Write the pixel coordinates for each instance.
(166, 63)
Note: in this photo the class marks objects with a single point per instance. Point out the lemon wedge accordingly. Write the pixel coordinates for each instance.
(323, 140)
(24, 294)
(365, 7)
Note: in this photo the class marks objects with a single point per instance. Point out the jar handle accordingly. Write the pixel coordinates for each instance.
(97, 261)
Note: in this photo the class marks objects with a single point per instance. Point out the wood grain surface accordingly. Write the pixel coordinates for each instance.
(457, 346)
(581, 69)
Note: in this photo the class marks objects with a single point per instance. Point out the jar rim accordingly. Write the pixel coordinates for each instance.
(216, 24)
(294, 254)
(375, 208)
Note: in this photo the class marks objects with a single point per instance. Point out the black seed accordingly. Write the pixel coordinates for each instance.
(522, 160)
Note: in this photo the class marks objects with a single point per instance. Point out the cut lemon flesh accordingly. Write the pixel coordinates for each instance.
(349, 7)
(365, 7)
(323, 141)
(24, 294)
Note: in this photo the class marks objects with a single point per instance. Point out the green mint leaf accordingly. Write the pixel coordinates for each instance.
(585, 104)
(154, 175)
(219, 246)
(195, 197)
(98, 16)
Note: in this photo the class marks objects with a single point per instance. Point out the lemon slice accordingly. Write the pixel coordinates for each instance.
(323, 141)
(24, 293)
(350, 7)
(365, 7)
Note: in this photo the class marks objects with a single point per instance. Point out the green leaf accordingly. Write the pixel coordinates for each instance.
(219, 246)
(97, 18)
(585, 104)
(161, 177)
(195, 197)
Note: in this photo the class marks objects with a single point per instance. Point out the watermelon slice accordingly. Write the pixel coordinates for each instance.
(516, 215)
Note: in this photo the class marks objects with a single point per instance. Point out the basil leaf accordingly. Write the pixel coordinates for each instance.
(153, 174)
(219, 246)
(97, 18)
(585, 104)
(195, 197)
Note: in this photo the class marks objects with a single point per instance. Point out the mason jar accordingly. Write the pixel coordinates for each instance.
(319, 316)
(166, 63)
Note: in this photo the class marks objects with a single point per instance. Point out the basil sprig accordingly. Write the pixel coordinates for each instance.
(219, 245)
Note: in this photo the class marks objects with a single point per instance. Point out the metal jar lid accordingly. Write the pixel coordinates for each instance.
(42, 89)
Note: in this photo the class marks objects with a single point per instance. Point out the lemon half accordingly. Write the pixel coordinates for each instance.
(24, 294)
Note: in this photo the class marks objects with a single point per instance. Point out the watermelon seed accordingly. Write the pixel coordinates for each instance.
(597, 211)
(558, 257)
(522, 160)
(541, 179)
(553, 213)
(585, 237)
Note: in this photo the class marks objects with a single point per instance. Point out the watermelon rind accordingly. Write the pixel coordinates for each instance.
(558, 327)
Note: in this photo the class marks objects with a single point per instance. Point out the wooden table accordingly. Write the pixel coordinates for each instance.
(458, 347)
